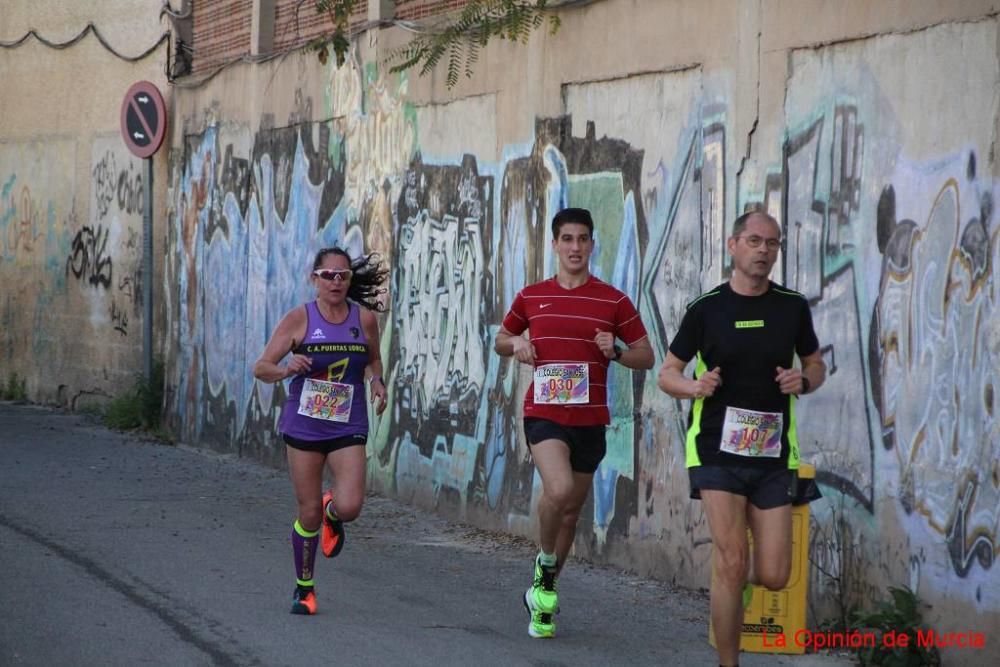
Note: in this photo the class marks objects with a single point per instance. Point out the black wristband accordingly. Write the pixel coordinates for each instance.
(619, 350)
(805, 385)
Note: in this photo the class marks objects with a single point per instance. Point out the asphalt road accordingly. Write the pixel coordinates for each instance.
(116, 550)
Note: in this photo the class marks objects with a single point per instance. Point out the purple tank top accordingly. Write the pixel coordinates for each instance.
(317, 406)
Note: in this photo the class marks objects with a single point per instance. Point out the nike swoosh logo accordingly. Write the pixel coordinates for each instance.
(544, 305)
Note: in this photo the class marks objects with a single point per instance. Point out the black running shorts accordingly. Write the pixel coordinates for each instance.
(587, 444)
(325, 446)
(765, 488)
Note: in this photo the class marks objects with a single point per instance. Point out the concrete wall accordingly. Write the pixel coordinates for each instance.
(71, 198)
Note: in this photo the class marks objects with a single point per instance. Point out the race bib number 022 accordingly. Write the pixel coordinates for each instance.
(330, 401)
(752, 433)
(562, 384)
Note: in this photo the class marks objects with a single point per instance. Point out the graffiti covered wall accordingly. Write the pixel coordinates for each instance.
(891, 235)
(67, 269)
(36, 180)
(71, 199)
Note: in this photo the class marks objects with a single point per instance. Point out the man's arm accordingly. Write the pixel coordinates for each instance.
(814, 369)
(504, 345)
(628, 328)
(671, 379)
(508, 344)
(639, 355)
(790, 380)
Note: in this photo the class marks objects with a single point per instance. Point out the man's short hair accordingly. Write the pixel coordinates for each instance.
(580, 216)
(741, 222)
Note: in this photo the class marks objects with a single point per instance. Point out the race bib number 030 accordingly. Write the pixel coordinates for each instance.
(330, 401)
(751, 433)
(562, 384)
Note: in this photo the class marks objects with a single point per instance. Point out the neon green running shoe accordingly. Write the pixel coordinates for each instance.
(543, 589)
(540, 624)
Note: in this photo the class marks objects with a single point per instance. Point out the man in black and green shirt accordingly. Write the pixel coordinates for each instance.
(742, 447)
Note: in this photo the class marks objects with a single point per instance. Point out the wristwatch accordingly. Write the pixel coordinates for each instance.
(805, 385)
(372, 379)
(619, 350)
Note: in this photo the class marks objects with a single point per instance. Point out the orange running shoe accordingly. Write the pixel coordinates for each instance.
(304, 601)
(331, 539)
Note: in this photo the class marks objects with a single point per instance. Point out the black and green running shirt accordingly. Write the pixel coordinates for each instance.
(748, 338)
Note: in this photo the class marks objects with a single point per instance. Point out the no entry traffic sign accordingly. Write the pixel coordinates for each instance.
(144, 119)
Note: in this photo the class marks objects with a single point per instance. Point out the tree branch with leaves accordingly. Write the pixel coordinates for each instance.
(339, 12)
(456, 41)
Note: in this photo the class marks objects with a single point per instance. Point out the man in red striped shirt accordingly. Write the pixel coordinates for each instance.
(573, 320)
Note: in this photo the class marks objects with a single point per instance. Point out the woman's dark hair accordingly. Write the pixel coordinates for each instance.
(366, 279)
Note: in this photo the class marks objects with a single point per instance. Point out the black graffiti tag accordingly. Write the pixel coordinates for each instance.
(88, 259)
(104, 183)
(966, 544)
(119, 318)
(129, 192)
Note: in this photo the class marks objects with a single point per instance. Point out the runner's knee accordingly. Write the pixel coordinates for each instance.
(570, 517)
(731, 563)
(560, 494)
(774, 582)
(773, 577)
(348, 508)
(310, 515)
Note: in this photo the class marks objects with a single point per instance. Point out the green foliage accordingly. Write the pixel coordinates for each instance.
(836, 554)
(457, 42)
(16, 389)
(479, 21)
(339, 12)
(901, 615)
(124, 412)
(139, 408)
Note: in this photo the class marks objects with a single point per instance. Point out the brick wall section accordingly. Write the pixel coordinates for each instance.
(221, 28)
(220, 31)
(414, 10)
(288, 33)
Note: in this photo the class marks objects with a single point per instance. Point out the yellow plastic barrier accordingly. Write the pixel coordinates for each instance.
(775, 621)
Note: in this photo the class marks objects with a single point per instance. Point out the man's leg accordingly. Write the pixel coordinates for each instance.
(582, 482)
(727, 523)
(551, 458)
(772, 545)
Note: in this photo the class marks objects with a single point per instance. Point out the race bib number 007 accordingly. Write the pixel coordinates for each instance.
(330, 401)
(562, 384)
(751, 433)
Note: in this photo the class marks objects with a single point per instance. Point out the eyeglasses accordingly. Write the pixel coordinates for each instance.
(343, 275)
(754, 241)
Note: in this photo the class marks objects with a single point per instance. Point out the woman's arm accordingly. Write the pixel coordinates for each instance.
(373, 371)
(290, 330)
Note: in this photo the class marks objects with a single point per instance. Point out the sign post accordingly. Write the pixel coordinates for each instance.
(144, 124)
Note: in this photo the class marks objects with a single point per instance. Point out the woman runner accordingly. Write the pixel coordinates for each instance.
(334, 346)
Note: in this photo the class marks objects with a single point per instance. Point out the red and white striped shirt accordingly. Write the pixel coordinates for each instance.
(562, 324)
